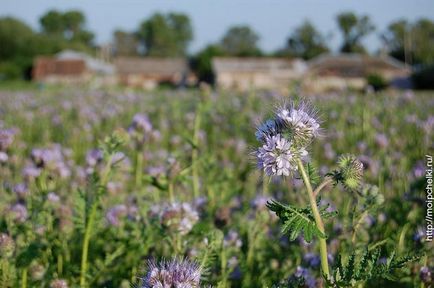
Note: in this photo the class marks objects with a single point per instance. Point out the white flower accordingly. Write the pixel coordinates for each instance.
(278, 156)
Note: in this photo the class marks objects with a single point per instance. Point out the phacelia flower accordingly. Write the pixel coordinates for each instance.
(3, 157)
(425, 275)
(303, 274)
(179, 217)
(299, 121)
(267, 129)
(174, 273)
(141, 123)
(278, 156)
(7, 246)
(19, 213)
(59, 283)
(6, 139)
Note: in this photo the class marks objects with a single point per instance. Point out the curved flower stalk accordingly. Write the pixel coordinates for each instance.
(285, 140)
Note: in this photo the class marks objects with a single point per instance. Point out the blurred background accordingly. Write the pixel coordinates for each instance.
(330, 45)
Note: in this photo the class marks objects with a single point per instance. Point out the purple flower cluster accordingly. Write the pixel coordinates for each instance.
(173, 273)
(179, 217)
(285, 139)
(6, 140)
(54, 159)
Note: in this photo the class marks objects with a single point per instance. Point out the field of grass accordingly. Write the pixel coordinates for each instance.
(94, 183)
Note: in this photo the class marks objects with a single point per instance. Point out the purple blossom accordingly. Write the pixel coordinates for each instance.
(179, 217)
(174, 273)
(94, 157)
(115, 213)
(6, 138)
(19, 212)
(304, 273)
(3, 157)
(278, 157)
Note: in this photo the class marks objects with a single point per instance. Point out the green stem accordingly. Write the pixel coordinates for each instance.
(318, 220)
(318, 189)
(24, 278)
(86, 241)
(195, 151)
(139, 169)
(90, 224)
(357, 226)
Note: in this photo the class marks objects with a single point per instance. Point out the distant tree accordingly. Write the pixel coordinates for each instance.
(14, 38)
(16, 53)
(52, 22)
(202, 62)
(240, 41)
(166, 35)
(68, 26)
(306, 42)
(423, 41)
(395, 38)
(353, 29)
(125, 43)
(411, 42)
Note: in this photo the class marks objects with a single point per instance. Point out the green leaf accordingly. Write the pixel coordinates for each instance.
(312, 173)
(367, 267)
(298, 220)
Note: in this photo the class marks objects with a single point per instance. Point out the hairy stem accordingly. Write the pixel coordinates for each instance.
(90, 223)
(318, 220)
(318, 189)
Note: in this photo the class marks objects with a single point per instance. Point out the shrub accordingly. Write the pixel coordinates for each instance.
(376, 81)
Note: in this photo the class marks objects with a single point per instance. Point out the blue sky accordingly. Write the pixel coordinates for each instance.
(272, 19)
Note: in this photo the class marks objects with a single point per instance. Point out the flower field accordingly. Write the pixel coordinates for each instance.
(120, 188)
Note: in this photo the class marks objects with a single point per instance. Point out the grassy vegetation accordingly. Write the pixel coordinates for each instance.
(195, 147)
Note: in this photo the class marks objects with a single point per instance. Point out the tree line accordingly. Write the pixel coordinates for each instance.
(169, 35)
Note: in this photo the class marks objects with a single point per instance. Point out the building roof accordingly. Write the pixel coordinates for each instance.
(151, 66)
(354, 65)
(253, 64)
(92, 64)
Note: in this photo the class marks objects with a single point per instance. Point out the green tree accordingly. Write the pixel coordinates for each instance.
(395, 39)
(166, 35)
(202, 62)
(16, 53)
(353, 29)
(306, 42)
(125, 43)
(69, 26)
(240, 41)
(52, 22)
(411, 42)
(423, 41)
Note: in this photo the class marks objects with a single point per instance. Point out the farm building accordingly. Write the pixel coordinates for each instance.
(149, 72)
(71, 67)
(343, 71)
(259, 73)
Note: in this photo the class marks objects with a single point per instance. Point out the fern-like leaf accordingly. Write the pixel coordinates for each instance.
(298, 220)
(368, 267)
(313, 174)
